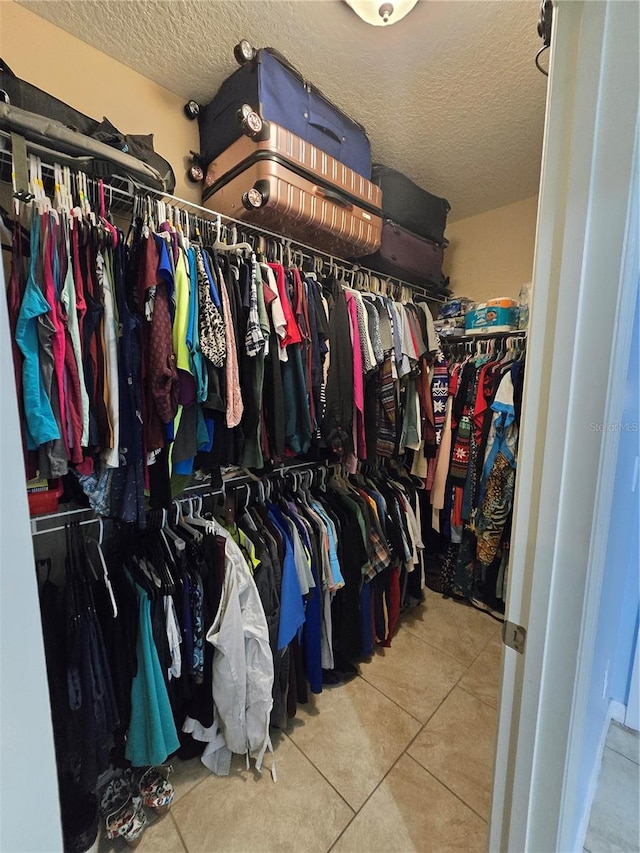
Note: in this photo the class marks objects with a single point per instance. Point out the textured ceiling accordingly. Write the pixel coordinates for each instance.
(449, 95)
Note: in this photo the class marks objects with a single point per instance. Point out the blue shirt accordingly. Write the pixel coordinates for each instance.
(291, 603)
(40, 421)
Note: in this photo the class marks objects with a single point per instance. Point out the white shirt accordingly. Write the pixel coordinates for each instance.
(242, 670)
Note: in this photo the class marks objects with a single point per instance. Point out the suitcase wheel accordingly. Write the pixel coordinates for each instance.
(191, 110)
(244, 52)
(195, 173)
(253, 199)
(257, 196)
(250, 121)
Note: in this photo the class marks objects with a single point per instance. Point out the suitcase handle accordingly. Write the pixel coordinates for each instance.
(328, 131)
(333, 196)
(309, 86)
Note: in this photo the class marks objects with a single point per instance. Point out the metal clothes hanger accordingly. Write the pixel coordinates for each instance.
(184, 524)
(103, 564)
(163, 530)
(195, 519)
(232, 246)
(178, 541)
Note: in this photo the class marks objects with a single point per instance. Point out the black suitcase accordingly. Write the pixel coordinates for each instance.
(409, 205)
(409, 257)
(18, 93)
(271, 90)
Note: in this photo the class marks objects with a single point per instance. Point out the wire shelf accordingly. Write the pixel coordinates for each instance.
(122, 193)
(479, 336)
(54, 522)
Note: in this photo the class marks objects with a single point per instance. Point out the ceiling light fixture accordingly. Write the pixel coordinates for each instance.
(381, 13)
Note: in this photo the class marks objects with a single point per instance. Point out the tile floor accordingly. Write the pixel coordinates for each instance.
(399, 759)
(614, 825)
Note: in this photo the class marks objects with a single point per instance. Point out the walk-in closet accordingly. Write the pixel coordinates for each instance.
(269, 277)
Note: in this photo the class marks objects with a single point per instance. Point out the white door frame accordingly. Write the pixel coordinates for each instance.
(577, 354)
(29, 809)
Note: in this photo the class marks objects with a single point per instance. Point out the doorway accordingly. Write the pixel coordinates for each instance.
(579, 346)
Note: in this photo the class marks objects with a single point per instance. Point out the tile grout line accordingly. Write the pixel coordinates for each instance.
(450, 790)
(622, 755)
(370, 795)
(473, 696)
(177, 828)
(328, 781)
(404, 752)
(422, 724)
(456, 684)
(468, 692)
(356, 812)
(614, 749)
(196, 785)
(434, 648)
(393, 701)
(443, 651)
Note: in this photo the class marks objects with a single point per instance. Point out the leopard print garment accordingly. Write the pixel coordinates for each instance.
(210, 323)
(496, 506)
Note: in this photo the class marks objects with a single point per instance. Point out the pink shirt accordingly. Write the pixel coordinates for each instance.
(235, 406)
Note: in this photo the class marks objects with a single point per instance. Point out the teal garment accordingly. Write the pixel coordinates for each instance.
(196, 359)
(152, 732)
(41, 425)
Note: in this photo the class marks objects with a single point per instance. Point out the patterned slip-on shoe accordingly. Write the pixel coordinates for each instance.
(127, 822)
(155, 789)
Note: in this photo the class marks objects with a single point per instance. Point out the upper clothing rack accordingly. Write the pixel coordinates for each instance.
(124, 191)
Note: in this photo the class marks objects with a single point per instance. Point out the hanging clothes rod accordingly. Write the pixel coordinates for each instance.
(480, 336)
(85, 515)
(295, 245)
(81, 516)
(124, 191)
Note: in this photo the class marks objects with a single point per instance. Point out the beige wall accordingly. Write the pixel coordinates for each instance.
(491, 254)
(95, 84)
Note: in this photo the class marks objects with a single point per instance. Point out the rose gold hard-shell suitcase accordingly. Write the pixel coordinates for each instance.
(289, 186)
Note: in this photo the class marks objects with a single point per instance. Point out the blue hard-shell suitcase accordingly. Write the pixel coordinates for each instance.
(278, 93)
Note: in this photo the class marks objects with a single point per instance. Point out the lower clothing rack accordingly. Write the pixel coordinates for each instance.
(55, 522)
